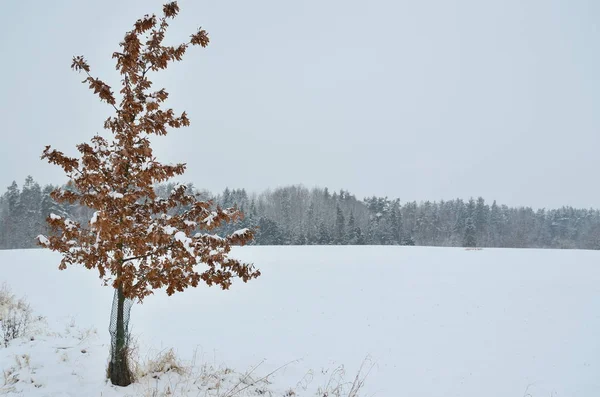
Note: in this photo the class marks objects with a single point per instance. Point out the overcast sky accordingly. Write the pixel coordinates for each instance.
(411, 99)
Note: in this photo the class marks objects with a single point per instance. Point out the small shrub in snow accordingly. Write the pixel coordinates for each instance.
(6, 296)
(15, 316)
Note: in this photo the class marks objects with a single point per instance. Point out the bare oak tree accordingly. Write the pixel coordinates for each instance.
(131, 240)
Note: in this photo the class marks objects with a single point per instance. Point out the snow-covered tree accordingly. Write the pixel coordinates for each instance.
(470, 239)
(324, 237)
(351, 232)
(31, 202)
(339, 237)
(481, 219)
(269, 232)
(13, 214)
(133, 240)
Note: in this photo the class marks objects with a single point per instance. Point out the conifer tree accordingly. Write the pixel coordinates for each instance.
(481, 218)
(31, 201)
(14, 213)
(269, 232)
(324, 235)
(340, 226)
(495, 227)
(470, 239)
(395, 224)
(360, 237)
(351, 232)
(134, 240)
(312, 236)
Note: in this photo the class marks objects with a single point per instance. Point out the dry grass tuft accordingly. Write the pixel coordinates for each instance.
(166, 361)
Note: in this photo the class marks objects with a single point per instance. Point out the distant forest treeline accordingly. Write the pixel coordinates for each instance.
(300, 216)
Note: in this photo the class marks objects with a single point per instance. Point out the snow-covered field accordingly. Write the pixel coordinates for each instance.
(434, 322)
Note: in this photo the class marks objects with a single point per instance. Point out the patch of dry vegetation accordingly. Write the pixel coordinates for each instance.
(15, 316)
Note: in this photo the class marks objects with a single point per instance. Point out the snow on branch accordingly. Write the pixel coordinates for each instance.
(43, 240)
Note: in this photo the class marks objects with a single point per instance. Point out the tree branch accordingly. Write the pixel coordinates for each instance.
(156, 251)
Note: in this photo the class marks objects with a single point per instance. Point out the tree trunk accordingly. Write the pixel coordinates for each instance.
(119, 372)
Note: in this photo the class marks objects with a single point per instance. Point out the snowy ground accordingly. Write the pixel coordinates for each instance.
(435, 321)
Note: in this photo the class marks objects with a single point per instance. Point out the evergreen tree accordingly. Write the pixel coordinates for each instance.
(269, 232)
(324, 235)
(360, 237)
(50, 206)
(4, 229)
(460, 223)
(13, 231)
(31, 218)
(312, 231)
(495, 228)
(226, 199)
(340, 228)
(299, 239)
(482, 214)
(251, 220)
(470, 239)
(395, 224)
(409, 240)
(351, 231)
(425, 230)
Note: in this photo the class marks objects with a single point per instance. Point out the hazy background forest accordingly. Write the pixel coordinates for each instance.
(296, 215)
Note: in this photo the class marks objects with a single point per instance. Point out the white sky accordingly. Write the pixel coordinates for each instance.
(411, 99)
